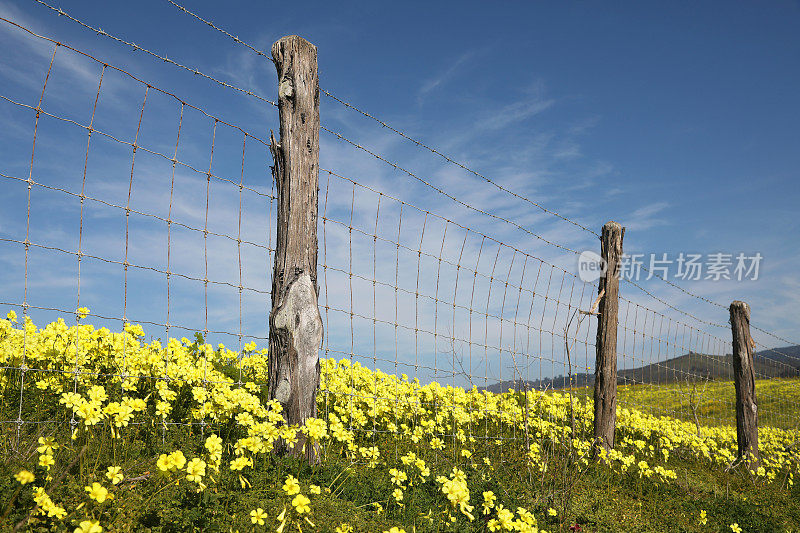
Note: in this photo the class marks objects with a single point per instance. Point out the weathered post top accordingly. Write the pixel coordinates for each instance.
(612, 234)
(296, 62)
(737, 306)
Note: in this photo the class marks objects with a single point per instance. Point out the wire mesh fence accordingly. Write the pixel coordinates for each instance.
(134, 208)
(147, 209)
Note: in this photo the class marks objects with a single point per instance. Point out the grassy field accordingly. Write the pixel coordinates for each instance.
(712, 403)
(124, 435)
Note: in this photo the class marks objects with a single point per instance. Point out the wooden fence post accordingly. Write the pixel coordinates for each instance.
(295, 324)
(745, 383)
(605, 370)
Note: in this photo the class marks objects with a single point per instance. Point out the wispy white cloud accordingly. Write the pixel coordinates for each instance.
(514, 112)
(22, 43)
(645, 217)
(441, 78)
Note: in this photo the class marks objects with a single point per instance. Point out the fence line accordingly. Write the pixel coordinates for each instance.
(392, 128)
(421, 144)
(667, 304)
(418, 143)
(640, 324)
(170, 221)
(451, 300)
(777, 337)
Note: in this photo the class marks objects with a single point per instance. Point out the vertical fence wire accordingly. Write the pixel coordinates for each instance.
(464, 311)
(451, 299)
(28, 368)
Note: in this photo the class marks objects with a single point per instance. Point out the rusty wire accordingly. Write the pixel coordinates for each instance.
(463, 166)
(127, 210)
(649, 339)
(500, 342)
(163, 58)
(435, 151)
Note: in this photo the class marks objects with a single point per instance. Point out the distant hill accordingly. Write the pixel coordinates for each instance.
(790, 355)
(775, 363)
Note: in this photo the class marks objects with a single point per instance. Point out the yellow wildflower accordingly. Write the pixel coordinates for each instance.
(300, 504)
(291, 486)
(98, 492)
(114, 474)
(89, 526)
(195, 470)
(240, 462)
(504, 517)
(24, 476)
(48, 445)
(257, 516)
(315, 429)
(46, 461)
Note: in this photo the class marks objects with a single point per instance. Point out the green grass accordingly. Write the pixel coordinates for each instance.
(598, 501)
(589, 495)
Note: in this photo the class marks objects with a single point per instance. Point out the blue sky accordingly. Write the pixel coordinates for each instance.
(680, 122)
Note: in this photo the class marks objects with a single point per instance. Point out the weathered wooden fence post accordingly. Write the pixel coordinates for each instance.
(745, 383)
(295, 324)
(605, 370)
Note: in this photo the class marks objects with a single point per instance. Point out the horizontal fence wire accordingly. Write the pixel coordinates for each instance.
(415, 294)
(420, 144)
(164, 58)
(667, 367)
(403, 291)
